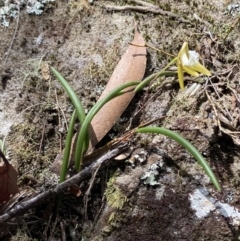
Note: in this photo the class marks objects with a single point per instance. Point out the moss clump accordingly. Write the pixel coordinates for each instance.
(115, 198)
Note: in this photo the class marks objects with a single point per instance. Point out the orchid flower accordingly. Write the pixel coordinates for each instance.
(188, 61)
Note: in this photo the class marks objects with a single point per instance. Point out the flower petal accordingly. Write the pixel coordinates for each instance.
(184, 59)
(190, 71)
(184, 52)
(193, 58)
(188, 62)
(180, 74)
(201, 69)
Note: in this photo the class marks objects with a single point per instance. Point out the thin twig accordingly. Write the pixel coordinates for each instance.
(24, 206)
(219, 119)
(62, 226)
(143, 3)
(98, 214)
(14, 35)
(146, 9)
(232, 27)
(59, 120)
(52, 231)
(41, 142)
(61, 110)
(225, 108)
(88, 191)
(47, 227)
(214, 109)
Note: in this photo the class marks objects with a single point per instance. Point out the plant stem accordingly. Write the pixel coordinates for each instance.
(163, 72)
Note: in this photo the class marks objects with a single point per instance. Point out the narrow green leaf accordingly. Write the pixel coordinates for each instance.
(66, 155)
(186, 144)
(67, 148)
(75, 100)
(84, 129)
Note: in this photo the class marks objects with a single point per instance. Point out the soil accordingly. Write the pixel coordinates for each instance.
(84, 42)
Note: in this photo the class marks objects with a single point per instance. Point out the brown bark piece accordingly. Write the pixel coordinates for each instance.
(131, 67)
(8, 180)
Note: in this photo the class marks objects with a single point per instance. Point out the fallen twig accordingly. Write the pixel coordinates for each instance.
(14, 36)
(24, 206)
(143, 3)
(89, 190)
(147, 8)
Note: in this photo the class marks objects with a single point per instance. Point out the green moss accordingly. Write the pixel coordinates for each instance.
(115, 198)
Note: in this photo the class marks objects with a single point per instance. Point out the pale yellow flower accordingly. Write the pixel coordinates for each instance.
(188, 61)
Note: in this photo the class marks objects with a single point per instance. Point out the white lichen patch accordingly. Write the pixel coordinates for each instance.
(150, 176)
(138, 156)
(160, 192)
(200, 204)
(229, 212)
(203, 204)
(12, 9)
(233, 9)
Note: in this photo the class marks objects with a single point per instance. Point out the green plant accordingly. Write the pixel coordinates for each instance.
(76, 102)
(187, 61)
(67, 148)
(82, 140)
(183, 58)
(82, 135)
(187, 145)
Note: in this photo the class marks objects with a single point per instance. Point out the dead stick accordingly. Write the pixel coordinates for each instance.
(45, 196)
(14, 36)
(144, 9)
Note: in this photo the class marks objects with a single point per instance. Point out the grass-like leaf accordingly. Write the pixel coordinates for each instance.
(71, 93)
(187, 145)
(75, 100)
(67, 148)
(84, 128)
(66, 155)
(83, 139)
